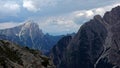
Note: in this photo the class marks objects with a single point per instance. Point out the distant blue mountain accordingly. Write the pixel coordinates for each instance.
(29, 35)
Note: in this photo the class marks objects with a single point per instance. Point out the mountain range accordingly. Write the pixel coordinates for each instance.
(29, 34)
(96, 44)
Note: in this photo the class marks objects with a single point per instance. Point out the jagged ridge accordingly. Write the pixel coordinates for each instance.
(96, 45)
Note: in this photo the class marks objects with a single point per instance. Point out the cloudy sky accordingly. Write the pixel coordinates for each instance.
(53, 16)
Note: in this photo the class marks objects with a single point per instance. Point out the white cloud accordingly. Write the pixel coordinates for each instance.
(9, 9)
(62, 16)
(6, 25)
(69, 22)
(79, 14)
(29, 5)
(35, 5)
(12, 7)
(100, 11)
(89, 13)
(58, 25)
(84, 15)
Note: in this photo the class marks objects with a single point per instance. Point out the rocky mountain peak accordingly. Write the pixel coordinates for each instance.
(113, 16)
(116, 10)
(96, 45)
(30, 23)
(30, 27)
(29, 34)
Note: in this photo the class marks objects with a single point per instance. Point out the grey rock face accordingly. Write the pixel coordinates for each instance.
(57, 52)
(96, 45)
(30, 35)
(86, 47)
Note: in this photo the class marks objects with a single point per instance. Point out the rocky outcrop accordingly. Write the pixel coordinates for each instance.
(96, 45)
(86, 47)
(57, 52)
(14, 56)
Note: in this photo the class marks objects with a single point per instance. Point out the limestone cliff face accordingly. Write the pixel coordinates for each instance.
(29, 34)
(86, 47)
(57, 52)
(14, 56)
(111, 53)
(97, 43)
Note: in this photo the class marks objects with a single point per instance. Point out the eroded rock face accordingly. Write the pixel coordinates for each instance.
(112, 47)
(86, 47)
(97, 43)
(29, 34)
(14, 56)
(57, 52)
